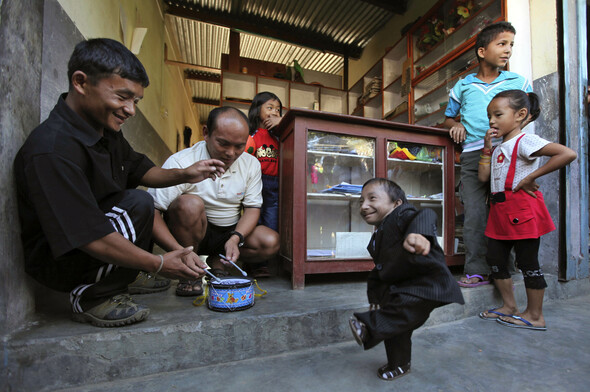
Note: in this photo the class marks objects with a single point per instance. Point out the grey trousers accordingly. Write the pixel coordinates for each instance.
(474, 194)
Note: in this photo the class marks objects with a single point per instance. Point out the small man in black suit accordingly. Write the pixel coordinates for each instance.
(410, 278)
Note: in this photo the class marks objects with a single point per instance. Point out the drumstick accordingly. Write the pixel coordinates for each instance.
(234, 264)
(211, 275)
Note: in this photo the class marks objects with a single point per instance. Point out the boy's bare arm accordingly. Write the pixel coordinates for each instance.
(417, 243)
(456, 130)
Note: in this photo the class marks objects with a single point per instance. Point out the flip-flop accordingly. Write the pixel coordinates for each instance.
(480, 283)
(527, 323)
(483, 316)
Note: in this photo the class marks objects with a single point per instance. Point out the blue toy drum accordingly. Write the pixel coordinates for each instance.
(230, 293)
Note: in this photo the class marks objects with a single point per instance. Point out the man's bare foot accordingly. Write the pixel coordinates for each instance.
(523, 320)
(473, 280)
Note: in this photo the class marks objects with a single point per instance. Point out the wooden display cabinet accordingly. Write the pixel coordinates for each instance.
(325, 159)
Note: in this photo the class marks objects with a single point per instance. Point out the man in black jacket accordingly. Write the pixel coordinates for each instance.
(410, 278)
(85, 228)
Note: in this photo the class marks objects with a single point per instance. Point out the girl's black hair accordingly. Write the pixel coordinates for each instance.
(489, 33)
(518, 99)
(254, 112)
(101, 57)
(394, 191)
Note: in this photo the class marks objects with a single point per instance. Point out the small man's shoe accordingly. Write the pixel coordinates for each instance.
(359, 330)
(390, 373)
(147, 283)
(117, 311)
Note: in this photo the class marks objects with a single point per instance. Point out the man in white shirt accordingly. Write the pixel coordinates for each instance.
(218, 216)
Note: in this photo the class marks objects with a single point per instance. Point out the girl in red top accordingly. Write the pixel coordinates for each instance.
(265, 113)
(518, 216)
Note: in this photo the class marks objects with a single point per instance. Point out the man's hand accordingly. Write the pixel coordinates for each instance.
(417, 243)
(458, 133)
(232, 250)
(183, 264)
(201, 170)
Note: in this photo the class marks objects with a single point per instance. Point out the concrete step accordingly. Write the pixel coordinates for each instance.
(54, 352)
(465, 355)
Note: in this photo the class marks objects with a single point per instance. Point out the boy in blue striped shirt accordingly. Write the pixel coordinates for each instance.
(469, 98)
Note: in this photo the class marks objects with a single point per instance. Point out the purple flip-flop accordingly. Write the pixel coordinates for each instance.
(480, 283)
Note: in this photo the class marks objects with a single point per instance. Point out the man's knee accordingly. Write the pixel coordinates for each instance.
(268, 240)
(138, 202)
(186, 210)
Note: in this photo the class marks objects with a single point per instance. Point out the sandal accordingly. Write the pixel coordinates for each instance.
(189, 288)
(388, 373)
(481, 281)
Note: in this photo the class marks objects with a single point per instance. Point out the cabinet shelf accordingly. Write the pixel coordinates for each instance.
(337, 154)
(394, 82)
(333, 196)
(414, 162)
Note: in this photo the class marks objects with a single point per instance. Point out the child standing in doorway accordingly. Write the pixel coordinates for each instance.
(265, 113)
(518, 215)
(410, 278)
(468, 98)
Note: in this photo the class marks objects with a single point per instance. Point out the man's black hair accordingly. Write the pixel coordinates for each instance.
(394, 191)
(257, 102)
(100, 57)
(215, 113)
(489, 33)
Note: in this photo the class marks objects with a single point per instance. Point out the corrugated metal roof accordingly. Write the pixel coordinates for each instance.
(203, 44)
(200, 43)
(339, 25)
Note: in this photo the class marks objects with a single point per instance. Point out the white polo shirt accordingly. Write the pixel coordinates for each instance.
(240, 185)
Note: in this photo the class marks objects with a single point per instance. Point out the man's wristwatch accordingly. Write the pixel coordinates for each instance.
(240, 236)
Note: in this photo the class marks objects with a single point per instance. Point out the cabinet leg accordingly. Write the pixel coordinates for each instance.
(297, 279)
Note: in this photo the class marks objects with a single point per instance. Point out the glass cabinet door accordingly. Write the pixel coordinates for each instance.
(418, 170)
(337, 167)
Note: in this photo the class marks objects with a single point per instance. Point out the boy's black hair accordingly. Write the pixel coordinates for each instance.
(489, 33)
(101, 57)
(394, 191)
(257, 102)
(518, 99)
(215, 113)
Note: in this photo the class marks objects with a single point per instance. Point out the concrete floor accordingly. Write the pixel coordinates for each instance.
(465, 355)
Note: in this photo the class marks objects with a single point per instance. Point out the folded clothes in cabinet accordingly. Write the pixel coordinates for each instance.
(344, 187)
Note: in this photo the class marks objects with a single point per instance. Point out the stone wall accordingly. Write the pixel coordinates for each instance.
(21, 43)
(547, 127)
(36, 40)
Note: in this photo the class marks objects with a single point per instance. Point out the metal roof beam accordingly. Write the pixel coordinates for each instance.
(263, 27)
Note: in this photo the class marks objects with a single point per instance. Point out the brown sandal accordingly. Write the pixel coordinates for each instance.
(189, 288)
